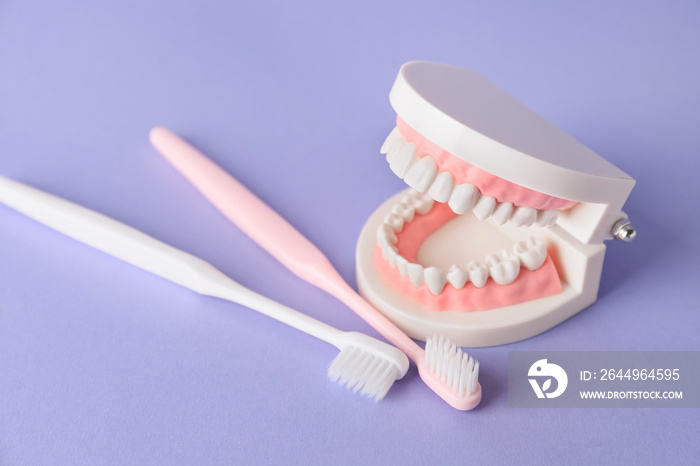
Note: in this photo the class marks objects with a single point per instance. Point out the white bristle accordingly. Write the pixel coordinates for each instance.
(454, 367)
(362, 371)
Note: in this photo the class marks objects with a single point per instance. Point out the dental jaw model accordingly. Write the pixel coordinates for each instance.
(500, 235)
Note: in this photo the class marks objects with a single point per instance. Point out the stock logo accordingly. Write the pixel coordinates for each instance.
(544, 371)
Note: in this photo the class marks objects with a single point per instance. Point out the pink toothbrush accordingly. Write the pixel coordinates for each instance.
(449, 372)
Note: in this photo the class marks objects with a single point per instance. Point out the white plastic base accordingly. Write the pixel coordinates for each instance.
(579, 267)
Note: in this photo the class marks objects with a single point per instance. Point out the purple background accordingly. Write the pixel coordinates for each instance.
(101, 363)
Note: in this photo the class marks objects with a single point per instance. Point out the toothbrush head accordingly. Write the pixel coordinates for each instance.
(451, 373)
(367, 365)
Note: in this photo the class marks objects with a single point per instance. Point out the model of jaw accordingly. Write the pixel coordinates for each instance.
(505, 215)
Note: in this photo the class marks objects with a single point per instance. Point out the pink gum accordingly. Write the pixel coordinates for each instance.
(531, 284)
(488, 184)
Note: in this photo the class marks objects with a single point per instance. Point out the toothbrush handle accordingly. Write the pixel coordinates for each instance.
(272, 232)
(242, 207)
(147, 253)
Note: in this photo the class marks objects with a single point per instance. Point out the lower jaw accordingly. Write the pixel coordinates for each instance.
(495, 314)
(530, 284)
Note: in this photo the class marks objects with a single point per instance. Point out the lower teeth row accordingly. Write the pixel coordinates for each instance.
(503, 267)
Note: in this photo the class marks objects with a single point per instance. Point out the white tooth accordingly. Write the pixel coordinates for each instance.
(503, 267)
(387, 233)
(463, 198)
(410, 197)
(523, 216)
(422, 174)
(478, 274)
(393, 149)
(391, 155)
(393, 136)
(435, 279)
(392, 254)
(394, 221)
(531, 252)
(457, 277)
(406, 212)
(442, 187)
(382, 240)
(416, 273)
(546, 218)
(402, 264)
(423, 204)
(389, 250)
(403, 160)
(484, 208)
(502, 213)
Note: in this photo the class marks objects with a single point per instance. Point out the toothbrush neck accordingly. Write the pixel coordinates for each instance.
(327, 278)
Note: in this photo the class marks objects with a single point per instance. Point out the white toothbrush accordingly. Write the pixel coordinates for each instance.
(364, 364)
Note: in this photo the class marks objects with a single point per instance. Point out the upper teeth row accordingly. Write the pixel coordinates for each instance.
(422, 174)
(503, 267)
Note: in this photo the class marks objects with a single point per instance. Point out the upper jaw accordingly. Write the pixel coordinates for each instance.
(469, 117)
(424, 175)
